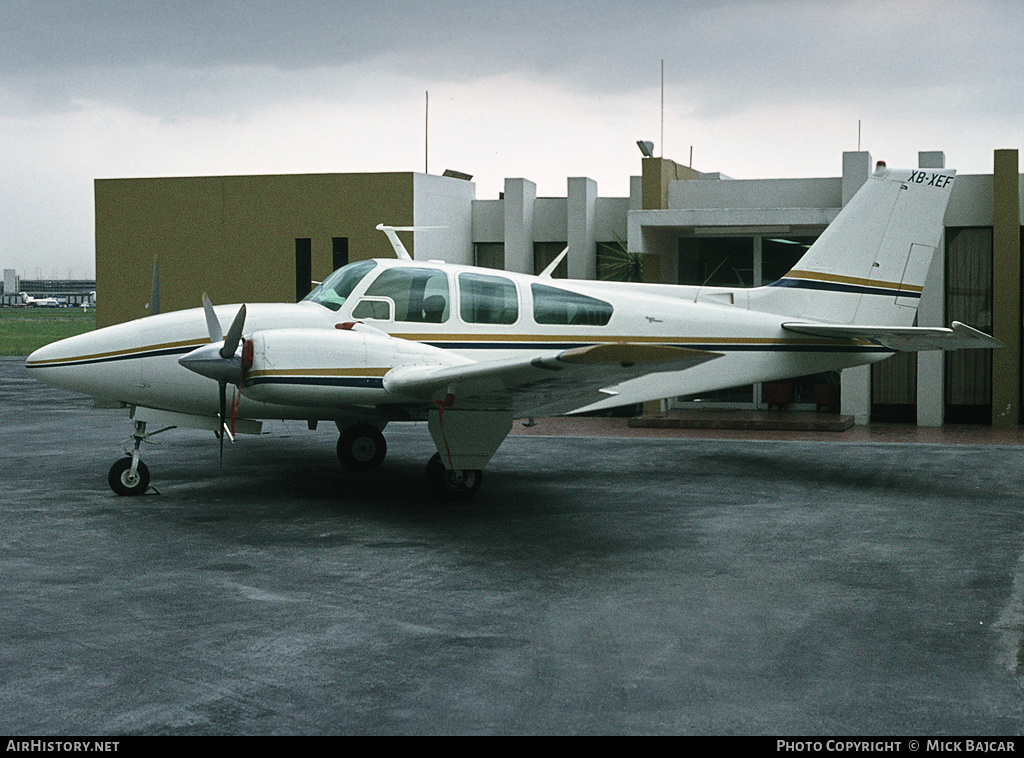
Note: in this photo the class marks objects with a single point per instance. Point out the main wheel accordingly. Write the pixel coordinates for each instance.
(123, 482)
(361, 447)
(452, 485)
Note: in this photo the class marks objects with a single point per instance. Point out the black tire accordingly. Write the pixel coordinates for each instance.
(122, 482)
(452, 485)
(361, 447)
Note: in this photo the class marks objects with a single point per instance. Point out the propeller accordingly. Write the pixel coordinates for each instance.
(219, 362)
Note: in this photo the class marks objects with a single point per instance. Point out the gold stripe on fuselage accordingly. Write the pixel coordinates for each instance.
(818, 276)
(123, 353)
(378, 371)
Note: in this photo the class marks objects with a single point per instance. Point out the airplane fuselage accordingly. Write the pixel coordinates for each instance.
(306, 366)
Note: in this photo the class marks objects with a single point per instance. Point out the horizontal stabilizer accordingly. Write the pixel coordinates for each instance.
(545, 383)
(903, 338)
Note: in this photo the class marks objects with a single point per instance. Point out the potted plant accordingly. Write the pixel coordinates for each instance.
(826, 392)
(778, 394)
(618, 264)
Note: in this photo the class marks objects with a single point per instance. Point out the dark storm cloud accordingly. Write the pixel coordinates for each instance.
(719, 55)
(49, 35)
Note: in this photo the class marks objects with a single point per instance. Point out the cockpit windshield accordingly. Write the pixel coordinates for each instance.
(336, 288)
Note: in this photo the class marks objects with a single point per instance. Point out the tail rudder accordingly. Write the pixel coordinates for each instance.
(870, 264)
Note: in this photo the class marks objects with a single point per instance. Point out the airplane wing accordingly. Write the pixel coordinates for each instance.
(903, 338)
(549, 383)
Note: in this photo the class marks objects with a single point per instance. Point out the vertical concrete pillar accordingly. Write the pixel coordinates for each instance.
(856, 170)
(931, 365)
(581, 234)
(1006, 297)
(931, 374)
(855, 386)
(520, 199)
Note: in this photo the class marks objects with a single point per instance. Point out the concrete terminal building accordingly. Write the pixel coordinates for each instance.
(265, 238)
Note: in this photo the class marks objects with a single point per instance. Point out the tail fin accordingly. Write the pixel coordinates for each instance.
(869, 265)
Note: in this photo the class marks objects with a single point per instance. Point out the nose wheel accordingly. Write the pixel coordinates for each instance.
(126, 479)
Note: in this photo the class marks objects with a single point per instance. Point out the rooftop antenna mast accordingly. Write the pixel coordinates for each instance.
(426, 135)
(661, 143)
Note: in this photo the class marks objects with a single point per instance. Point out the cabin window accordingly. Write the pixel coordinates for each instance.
(487, 299)
(557, 306)
(418, 294)
(378, 308)
(336, 288)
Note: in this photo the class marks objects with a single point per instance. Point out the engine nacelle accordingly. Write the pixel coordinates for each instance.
(324, 367)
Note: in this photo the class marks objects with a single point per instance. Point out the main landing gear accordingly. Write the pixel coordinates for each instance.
(362, 447)
(448, 484)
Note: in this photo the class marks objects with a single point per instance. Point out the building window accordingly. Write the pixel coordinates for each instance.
(303, 267)
(717, 261)
(339, 252)
(544, 253)
(490, 255)
(969, 299)
(780, 254)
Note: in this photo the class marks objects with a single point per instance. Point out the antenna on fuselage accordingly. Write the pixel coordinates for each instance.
(550, 270)
(154, 290)
(708, 278)
(392, 231)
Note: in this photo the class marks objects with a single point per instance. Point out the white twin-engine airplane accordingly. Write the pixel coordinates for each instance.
(40, 302)
(470, 349)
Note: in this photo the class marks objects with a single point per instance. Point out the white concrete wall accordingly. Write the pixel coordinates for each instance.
(754, 193)
(855, 384)
(581, 228)
(550, 218)
(488, 221)
(447, 203)
(519, 207)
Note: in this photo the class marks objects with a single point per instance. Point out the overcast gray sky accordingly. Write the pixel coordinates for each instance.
(546, 90)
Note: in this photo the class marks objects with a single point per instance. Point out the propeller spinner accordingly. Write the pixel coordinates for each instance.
(219, 361)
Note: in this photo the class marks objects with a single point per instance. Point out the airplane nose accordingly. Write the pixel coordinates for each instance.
(42, 360)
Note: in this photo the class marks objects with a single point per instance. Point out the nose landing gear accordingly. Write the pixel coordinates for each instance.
(129, 476)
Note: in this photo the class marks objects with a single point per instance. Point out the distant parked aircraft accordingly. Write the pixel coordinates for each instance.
(40, 302)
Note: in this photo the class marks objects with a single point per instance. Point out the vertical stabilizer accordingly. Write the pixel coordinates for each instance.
(869, 265)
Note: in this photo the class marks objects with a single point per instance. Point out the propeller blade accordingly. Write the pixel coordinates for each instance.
(212, 322)
(234, 335)
(220, 417)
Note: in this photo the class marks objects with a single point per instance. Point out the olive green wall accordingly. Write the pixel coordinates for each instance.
(1006, 289)
(233, 237)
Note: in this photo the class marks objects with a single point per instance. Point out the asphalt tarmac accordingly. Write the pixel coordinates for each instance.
(596, 585)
